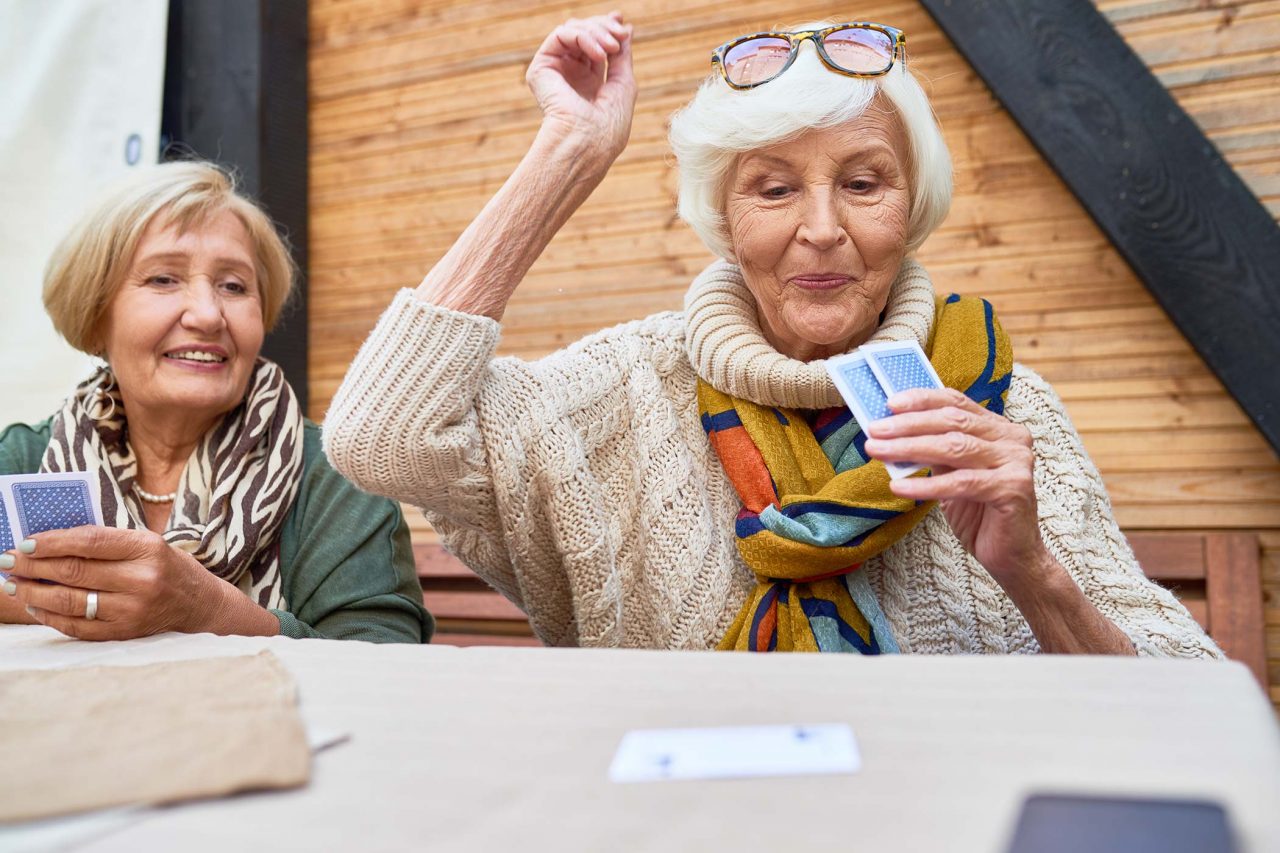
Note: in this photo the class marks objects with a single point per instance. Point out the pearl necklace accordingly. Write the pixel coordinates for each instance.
(155, 499)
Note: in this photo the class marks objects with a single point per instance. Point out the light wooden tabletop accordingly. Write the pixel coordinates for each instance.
(496, 749)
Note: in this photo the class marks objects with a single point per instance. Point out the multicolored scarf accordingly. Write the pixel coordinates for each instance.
(815, 508)
(236, 490)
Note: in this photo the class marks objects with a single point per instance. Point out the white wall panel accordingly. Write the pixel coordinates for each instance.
(81, 83)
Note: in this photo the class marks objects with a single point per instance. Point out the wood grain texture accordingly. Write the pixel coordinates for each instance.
(460, 639)
(1173, 207)
(1171, 557)
(1235, 608)
(464, 604)
(414, 124)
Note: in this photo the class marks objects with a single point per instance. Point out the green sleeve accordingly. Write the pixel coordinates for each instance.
(22, 447)
(346, 562)
(345, 556)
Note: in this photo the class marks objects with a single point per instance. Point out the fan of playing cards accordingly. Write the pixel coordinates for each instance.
(34, 503)
(871, 374)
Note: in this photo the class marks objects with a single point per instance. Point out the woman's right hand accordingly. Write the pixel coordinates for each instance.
(582, 78)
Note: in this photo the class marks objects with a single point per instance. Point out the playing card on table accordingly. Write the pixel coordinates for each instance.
(38, 502)
(730, 752)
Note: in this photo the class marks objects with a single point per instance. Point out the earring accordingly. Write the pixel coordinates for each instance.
(99, 395)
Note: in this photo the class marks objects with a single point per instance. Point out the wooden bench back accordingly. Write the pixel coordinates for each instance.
(468, 611)
(1215, 575)
(1218, 578)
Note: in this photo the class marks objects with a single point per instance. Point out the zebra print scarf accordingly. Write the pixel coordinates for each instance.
(235, 492)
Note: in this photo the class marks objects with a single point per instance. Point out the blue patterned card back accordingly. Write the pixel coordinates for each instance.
(901, 366)
(862, 382)
(6, 533)
(866, 392)
(41, 506)
(905, 371)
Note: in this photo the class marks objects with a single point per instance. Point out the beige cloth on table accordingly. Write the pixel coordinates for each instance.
(99, 736)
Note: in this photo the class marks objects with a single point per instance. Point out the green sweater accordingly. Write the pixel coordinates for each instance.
(346, 564)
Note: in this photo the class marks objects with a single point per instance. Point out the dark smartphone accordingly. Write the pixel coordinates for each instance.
(1052, 823)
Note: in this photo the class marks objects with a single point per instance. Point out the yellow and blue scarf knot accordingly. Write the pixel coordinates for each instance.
(815, 508)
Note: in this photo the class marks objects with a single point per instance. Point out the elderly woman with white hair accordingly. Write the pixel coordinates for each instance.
(693, 479)
(222, 513)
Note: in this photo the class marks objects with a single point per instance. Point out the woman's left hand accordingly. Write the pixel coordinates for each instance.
(983, 468)
(983, 477)
(144, 585)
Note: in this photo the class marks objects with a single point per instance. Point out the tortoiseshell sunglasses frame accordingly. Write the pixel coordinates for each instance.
(899, 46)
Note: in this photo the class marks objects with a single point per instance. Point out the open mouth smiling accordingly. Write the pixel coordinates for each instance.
(197, 355)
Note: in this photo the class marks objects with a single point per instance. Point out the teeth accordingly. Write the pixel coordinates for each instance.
(196, 355)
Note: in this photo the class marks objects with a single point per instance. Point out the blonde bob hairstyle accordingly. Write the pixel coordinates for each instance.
(88, 267)
(720, 123)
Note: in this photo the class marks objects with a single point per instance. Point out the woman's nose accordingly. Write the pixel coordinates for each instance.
(204, 308)
(820, 225)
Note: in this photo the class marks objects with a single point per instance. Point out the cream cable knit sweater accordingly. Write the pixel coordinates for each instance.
(582, 486)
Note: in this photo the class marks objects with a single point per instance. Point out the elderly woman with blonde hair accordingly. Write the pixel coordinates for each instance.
(223, 514)
(693, 479)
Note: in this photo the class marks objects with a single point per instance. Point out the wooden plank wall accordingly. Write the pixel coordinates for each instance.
(419, 112)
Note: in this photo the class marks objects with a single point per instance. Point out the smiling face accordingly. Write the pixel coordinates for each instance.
(819, 227)
(184, 330)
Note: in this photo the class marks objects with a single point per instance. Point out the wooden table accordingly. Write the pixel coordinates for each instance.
(507, 749)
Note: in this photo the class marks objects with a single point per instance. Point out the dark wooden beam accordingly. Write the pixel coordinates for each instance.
(236, 93)
(1175, 210)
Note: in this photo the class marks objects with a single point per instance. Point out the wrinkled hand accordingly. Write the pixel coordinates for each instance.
(582, 78)
(982, 476)
(144, 585)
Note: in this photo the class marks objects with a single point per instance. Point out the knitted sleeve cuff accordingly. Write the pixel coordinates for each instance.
(290, 626)
(403, 422)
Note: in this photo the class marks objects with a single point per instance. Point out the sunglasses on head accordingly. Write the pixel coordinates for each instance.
(855, 49)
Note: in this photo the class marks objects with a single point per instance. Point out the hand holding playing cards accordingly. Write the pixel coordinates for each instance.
(144, 585)
(982, 475)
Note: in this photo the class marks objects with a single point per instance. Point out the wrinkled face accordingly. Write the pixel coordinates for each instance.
(184, 330)
(819, 227)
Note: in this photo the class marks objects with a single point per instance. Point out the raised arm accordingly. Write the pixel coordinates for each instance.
(405, 422)
(582, 78)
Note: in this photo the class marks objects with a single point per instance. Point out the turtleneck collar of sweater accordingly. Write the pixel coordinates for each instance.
(728, 350)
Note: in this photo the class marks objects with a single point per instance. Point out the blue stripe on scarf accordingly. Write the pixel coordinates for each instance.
(853, 455)
(747, 525)
(720, 421)
(833, 426)
(841, 446)
(821, 608)
(798, 509)
(983, 390)
(857, 540)
(860, 443)
(859, 586)
(825, 525)
(765, 602)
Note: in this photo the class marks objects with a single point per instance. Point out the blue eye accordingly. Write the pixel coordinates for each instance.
(775, 192)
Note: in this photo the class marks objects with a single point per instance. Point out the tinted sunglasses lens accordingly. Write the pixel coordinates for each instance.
(756, 60)
(860, 51)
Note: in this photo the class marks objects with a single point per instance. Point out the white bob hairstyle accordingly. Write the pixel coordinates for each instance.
(720, 123)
